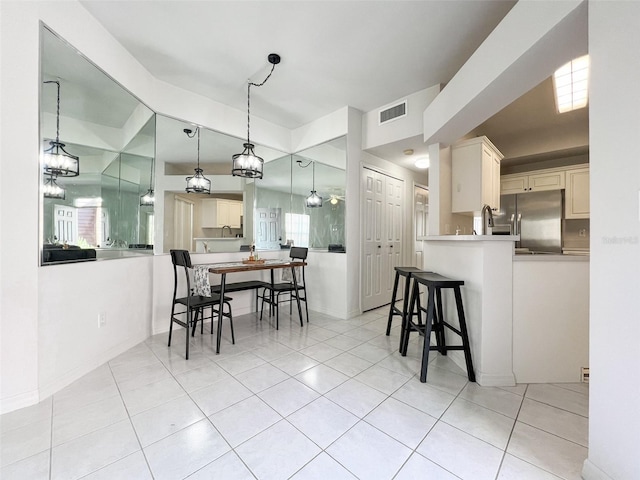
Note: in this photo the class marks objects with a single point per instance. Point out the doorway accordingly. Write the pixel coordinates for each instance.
(182, 224)
(382, 239)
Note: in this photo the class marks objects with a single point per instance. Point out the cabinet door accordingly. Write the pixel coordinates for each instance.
(546, 181)
(514, 184)
(495, 177)
(577, 193)
(209, 213)
(235, 214)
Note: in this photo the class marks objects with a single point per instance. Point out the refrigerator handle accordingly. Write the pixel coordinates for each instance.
(519, 224)
(512, 224)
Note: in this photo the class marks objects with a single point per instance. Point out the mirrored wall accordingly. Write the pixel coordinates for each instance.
(122, 149)
(283, 214)
(104, 139)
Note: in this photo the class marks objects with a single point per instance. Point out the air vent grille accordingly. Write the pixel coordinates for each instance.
(393, 113)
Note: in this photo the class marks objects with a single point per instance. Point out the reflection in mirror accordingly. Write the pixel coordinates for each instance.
(113, 134)
(220, 221)
(282, 216)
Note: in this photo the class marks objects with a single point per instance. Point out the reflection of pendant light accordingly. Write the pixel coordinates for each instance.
(314, 200)
(198, 183)
(51, 188)
(248, 164)
(149, 199)
(57, 161)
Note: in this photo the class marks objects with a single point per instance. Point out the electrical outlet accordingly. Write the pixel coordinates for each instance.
(102, 319)
(582, 232)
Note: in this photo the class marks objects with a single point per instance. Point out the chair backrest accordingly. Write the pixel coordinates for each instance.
(299, 253)
(180, 258)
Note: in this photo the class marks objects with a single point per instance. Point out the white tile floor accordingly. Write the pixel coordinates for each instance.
(330, 400)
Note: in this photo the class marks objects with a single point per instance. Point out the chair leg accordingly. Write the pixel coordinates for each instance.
(465, 335)
(190, 314)
(393, 302)
(195, 323)
(173, 309)
(233, 337)
(405, 328)
(427, 335)
(306, 305)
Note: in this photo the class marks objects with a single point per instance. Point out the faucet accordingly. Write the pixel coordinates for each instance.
(487, 220)
(222, 231)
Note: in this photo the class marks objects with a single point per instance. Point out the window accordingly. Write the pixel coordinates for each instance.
(297, 228)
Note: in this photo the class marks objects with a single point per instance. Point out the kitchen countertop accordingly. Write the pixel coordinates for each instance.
(208, 239)
(550, 257)
(472, 238)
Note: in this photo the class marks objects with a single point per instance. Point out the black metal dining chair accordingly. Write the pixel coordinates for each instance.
(194, 305)
(272, 292)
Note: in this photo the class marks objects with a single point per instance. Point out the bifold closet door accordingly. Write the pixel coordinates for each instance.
(382, 236)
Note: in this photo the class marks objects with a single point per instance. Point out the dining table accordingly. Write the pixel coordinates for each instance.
(203, 287)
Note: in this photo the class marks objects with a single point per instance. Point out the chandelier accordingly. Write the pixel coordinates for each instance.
(248, 164)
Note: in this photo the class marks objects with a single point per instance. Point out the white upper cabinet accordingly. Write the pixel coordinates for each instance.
(218, 212)
(532, 182)
(475, 175)
(576, 196)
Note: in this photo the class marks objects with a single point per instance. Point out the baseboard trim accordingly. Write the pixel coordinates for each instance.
(71, 376)
(484, 379)
(21, 400)
(591, 472)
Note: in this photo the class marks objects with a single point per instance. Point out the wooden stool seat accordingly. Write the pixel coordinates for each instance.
(435, 321)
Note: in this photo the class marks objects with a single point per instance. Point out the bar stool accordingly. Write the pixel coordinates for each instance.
(435, 320)
(406, 272)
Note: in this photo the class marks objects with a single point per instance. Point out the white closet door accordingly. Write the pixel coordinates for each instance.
(382, 238)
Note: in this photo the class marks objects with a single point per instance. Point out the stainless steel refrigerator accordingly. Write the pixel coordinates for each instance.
(535, 216)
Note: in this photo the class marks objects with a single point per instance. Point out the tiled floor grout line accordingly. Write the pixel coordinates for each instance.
(513, 427)
(297, 341)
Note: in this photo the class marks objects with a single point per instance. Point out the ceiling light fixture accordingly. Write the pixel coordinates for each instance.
(422, 163)
(248, 164)
(51, 188)
(571, 82)
(197, 183)
(313, 200)
(149, 199)
(57, 161)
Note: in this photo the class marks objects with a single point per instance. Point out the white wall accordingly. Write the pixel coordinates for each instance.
(550, 318)
(614, 121)
(34, 326)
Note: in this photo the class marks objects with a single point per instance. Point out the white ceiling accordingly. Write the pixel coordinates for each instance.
(364, 54)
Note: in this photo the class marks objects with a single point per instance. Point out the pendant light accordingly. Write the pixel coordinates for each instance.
(197, 183)
(149, 199)
(51, 188)
(248, 164)
(314, 200)
(57, 161)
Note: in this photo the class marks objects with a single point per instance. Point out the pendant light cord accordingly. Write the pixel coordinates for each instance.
(58, 109)
(249, 85)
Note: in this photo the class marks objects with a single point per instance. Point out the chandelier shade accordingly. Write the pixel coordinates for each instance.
(51, 189)
(197, 183)
(247, 164)
(56, 160)
(314, 200)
